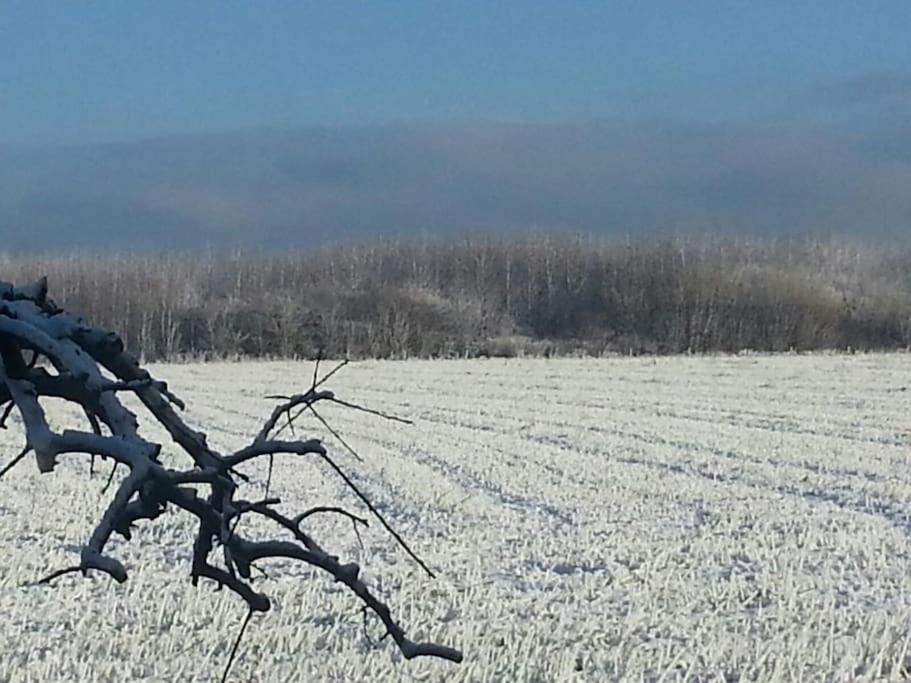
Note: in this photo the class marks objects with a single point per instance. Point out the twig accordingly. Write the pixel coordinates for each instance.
(260, 570)
(290, 424)
(355, 520)
(107, 484)
(291, 419)
(243, 507)
(93, 421)
(292, 402)
(319, 357)
(377, 514)
(15, 461)
(269, 474)
(328, 508)
(335, 434)
(240, 634)
(7, 409)
(57, 574)
(329, 374)
(240, 475)
(385, 416)
(311, 392)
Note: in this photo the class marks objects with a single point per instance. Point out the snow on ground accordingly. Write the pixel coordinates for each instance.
(721, 518)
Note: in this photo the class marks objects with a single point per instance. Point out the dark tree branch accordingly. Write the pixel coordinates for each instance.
(292, 402)
(258, 448)
(33, 327)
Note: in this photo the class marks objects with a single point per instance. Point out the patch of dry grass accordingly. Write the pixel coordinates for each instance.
(639, 519)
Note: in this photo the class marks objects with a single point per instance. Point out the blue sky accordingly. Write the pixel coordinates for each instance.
(95, 71)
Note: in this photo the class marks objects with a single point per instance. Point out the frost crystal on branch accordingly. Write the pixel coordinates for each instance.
(33, 328)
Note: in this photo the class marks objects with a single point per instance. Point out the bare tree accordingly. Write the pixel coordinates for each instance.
(74, 357)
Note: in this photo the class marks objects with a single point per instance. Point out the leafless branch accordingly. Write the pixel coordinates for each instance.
(84, 359)
(371, 411)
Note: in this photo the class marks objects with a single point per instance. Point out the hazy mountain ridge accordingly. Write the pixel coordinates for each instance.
(309, 185)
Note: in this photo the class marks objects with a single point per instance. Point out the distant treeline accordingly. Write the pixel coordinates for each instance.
(493, 296)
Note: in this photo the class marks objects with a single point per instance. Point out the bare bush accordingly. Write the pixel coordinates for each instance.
(405, 299)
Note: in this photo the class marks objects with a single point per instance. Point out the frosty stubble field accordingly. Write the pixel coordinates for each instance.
(590, 520)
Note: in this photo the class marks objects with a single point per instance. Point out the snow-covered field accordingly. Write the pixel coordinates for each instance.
(729, 518)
